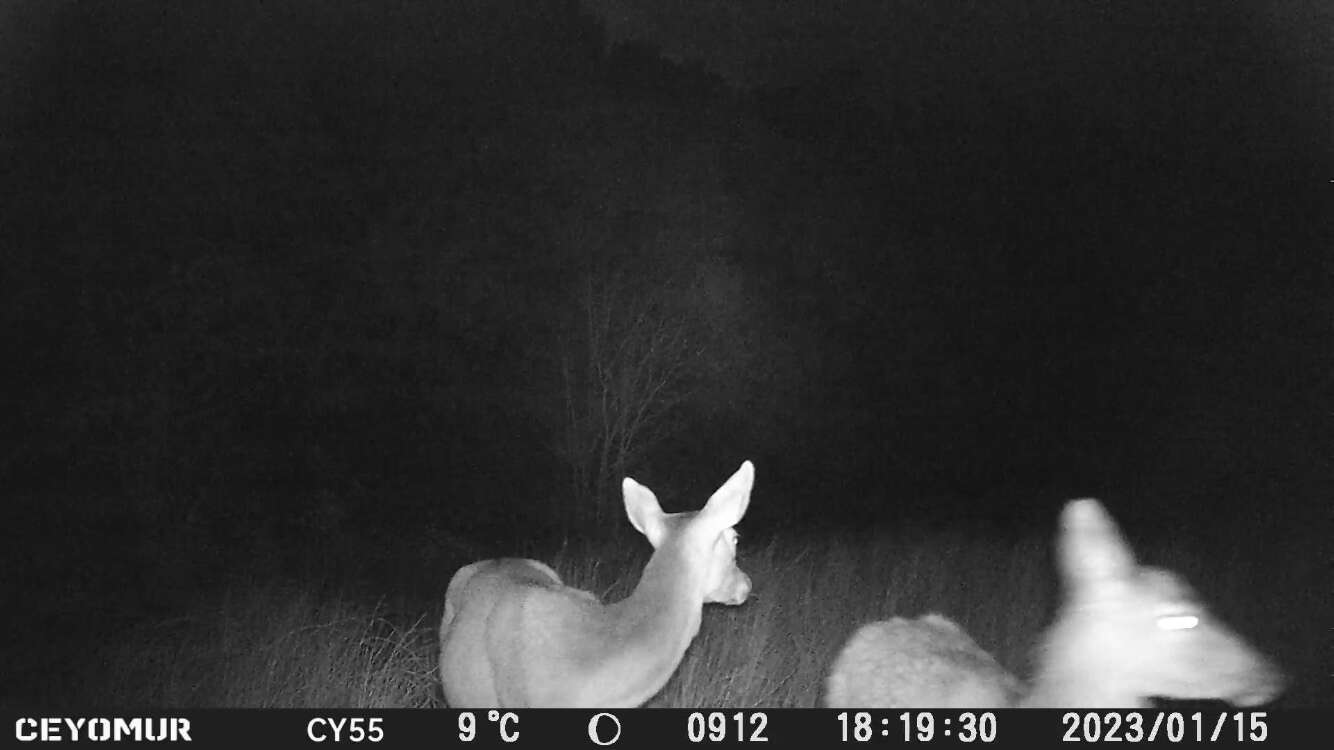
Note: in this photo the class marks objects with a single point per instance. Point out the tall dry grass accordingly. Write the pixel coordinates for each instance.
(270, 646)
(288, 645)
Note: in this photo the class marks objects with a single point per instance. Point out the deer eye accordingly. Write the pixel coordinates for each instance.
(1177, 622)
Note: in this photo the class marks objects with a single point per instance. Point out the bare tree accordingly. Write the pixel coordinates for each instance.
(641, 349)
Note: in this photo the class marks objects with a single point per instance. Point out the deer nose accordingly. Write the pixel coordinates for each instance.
(1268, 683)
(742, 590)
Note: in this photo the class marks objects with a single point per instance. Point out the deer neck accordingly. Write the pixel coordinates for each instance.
(655, 624)
(1079, 667)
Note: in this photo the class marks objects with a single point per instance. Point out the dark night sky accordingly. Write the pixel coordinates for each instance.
(955, 248)
(763, 43)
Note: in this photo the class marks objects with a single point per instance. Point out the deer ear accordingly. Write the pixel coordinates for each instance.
(642, 507)
(1091, 548)
(728, 504)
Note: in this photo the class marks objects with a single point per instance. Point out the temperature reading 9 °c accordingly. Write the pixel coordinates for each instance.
(507, 723)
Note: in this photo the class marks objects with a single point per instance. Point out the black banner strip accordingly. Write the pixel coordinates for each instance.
(243, 729)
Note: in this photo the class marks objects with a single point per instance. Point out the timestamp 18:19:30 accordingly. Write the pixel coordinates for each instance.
(918, 726)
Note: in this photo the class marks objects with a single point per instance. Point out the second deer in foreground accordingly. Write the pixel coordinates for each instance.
(514, 636)
(1124, 633)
